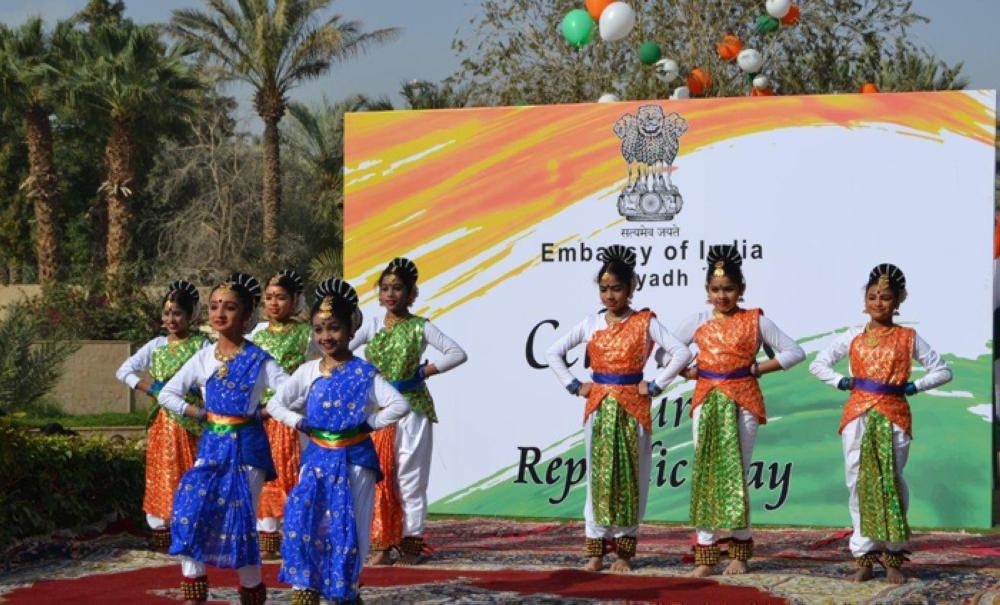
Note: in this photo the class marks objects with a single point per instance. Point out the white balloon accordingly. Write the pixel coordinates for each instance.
(668, 69)
(761, 82)
(608, 97)
(750, 60)
(616, 21)
(681, 92)
(778, 8)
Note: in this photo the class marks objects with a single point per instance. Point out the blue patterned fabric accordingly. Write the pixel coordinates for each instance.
(320, 544)
(214, 519)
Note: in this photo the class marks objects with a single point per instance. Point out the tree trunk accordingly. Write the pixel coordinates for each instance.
(43, 191)
(272, 188)
(118, 192)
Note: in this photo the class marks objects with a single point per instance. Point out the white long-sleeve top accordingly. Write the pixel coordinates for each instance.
(676, 355)
(200, 368)
(451, 354)
(937, 374)
(292, 394)
(786, 351)
(141, 361)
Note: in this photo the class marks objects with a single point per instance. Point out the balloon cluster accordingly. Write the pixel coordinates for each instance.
(750, 61)
(614, 20)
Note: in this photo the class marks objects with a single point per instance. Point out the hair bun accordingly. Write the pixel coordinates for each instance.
(404, 264)
(893, 273)
(621, 254)
(296, 279)
(185, 287)
(726, 253)
(247, 282)
(338, 288)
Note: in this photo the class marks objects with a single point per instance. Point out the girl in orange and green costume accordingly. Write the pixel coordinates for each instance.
(287, 341)
(875, 427)
(727, 407)
(171, 439)
(617, 417)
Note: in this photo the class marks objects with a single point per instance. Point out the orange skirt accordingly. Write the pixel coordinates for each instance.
(286, 450)
(387, 514)
(170, 452)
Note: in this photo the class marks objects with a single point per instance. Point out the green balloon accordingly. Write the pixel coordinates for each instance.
(578, 27)
(650, 53)
(766, 24)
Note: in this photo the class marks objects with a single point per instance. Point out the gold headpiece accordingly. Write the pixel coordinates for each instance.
(325, 308)
(274, 281)
(719, 271)
(883, 281)
(226, 285)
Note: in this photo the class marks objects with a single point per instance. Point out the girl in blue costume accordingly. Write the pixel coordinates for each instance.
(214, 516)
(328, 513)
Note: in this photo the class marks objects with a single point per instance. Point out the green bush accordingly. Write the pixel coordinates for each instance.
(59, 482)
(29, 365)
(86, 312)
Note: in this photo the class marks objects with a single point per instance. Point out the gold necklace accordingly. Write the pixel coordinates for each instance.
(391, 320)
(873, 337)
(613, 319)
(223, 370)
(280, 327)
(326, 368)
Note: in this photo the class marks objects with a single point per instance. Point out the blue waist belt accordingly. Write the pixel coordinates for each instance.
(880, 388)
(616, 378)
(740, 373)
(409, 384)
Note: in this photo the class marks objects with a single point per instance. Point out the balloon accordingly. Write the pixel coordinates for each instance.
(578, 27)
(596, 7)
(729, 47)
(668, 69)
(761, 92)
(778, 8)
(650, 53)
(698, 81)
(766, 24)
(681, 92)
(616, 22)
(869, 88)
(750, 60)
(761, 82)
(792, 17)
(608, 97)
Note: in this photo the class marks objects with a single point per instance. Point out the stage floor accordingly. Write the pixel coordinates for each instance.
(503, 561)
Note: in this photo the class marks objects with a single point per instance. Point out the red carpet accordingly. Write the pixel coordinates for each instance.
(159, 584)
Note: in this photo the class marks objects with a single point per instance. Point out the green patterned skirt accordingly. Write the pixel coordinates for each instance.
(719, 491)
(882, 514)
(614, 466)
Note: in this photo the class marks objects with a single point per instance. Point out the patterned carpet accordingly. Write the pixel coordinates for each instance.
(500, 561)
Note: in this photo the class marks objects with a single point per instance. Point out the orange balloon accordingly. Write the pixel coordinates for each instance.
(761, 92)
(729, 47)
(698, 81)
(596, 7)
(868, 88)
(792, 16)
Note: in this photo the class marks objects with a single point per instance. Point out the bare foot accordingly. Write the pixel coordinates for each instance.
(621, 565)
(863, 574)
(379, 557)
(702, 571)
(594, 564)
(894, 576)
(736, 567)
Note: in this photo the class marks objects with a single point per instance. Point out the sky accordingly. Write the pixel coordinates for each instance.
(959, 30)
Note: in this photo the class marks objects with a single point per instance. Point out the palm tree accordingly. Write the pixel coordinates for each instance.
(273, 45)
(316, 138)
(129, 77)
(30, 86)
(421, 94)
